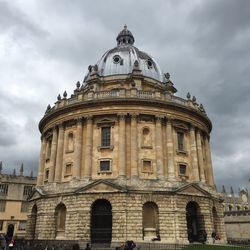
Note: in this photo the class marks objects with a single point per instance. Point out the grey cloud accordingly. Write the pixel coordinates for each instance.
(13, 20)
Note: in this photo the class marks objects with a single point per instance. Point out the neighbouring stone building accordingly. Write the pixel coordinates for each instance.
(124, 158)
(237, 214)
(14, 191)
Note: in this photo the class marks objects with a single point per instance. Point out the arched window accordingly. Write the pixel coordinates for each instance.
(195, 222)
(146, 137)
(70, 142)
(60, 219)
(33, 219)
(150, 223)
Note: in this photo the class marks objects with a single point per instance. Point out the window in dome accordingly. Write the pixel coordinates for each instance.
(116, 59)
(150, 63)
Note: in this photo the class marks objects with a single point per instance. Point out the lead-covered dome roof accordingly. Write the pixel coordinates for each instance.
(121, 59)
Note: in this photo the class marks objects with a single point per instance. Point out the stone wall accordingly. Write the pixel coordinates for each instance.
(126, 215)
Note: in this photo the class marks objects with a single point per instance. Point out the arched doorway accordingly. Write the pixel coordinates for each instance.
(150, 222)
(10, 231)
(101, 222)
(195, 222)
(215, 219)
(33, 219)
(60, 219)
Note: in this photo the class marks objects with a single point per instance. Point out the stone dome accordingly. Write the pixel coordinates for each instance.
(122, 59)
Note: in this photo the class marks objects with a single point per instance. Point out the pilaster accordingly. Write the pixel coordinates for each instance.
(59, 155)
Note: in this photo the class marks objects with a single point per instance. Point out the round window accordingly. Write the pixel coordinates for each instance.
(116, 59)
(150, 64)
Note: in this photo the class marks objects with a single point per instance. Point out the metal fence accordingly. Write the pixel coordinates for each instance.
(68, 245)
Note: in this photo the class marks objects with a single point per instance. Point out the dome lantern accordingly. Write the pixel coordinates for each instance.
(125, 37)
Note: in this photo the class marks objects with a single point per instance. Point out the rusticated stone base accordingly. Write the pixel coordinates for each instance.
(127, 213)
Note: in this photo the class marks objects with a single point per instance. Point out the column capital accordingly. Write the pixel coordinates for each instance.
(159, 118)
(89, 118)
(134, 115)
(79, 120)
(170, 118)
(121, 116)
(192, 126)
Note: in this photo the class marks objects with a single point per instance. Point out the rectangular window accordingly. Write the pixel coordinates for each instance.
(24, 207)
(105, 166)
(146, 166)
(3, 189)
(68, 169)
(48, 148)
(46, 177)
(2, 205)
(105, 136)
(180, 140)
(182, 169)
(22, 225)
(27, 190)
(1, 225)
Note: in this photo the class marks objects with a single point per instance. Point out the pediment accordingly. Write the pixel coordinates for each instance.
(101, 186)
(192, 189)
(36, 194)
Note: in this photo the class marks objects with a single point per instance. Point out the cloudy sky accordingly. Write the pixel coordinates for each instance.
(46, 47)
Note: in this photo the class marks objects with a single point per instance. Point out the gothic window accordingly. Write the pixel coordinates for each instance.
(146, 137)
(70, 147)
(22, 225)
(147, 166)
(105, 166)
(180, 141)
(1, 225)
(68, 169)
(24, 207)
(105, 136)
(27, 190)
(60, 214)
(230, 207)
(4, 189)
(2, 205)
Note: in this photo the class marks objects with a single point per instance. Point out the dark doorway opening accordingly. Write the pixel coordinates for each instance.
(195, 222)
(101, 222)
(10, 231)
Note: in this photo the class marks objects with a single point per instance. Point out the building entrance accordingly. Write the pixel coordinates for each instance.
(101, 222)
(195, 224)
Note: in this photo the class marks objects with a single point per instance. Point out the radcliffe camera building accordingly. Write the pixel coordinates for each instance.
(124, 158)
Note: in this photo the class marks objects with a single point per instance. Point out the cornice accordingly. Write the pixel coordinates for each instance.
(124, 102)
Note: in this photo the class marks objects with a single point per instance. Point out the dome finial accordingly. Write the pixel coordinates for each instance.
(125, 37)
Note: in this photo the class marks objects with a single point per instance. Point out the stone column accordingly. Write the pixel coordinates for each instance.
(134, 146)
(170, 150)
(53, 155)
(159, 150)
(209, 162)
(78, 149)
(89, 145)
(200, 156)
(59, 155)
(122, 145)
(41, 162)
(194, 159)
